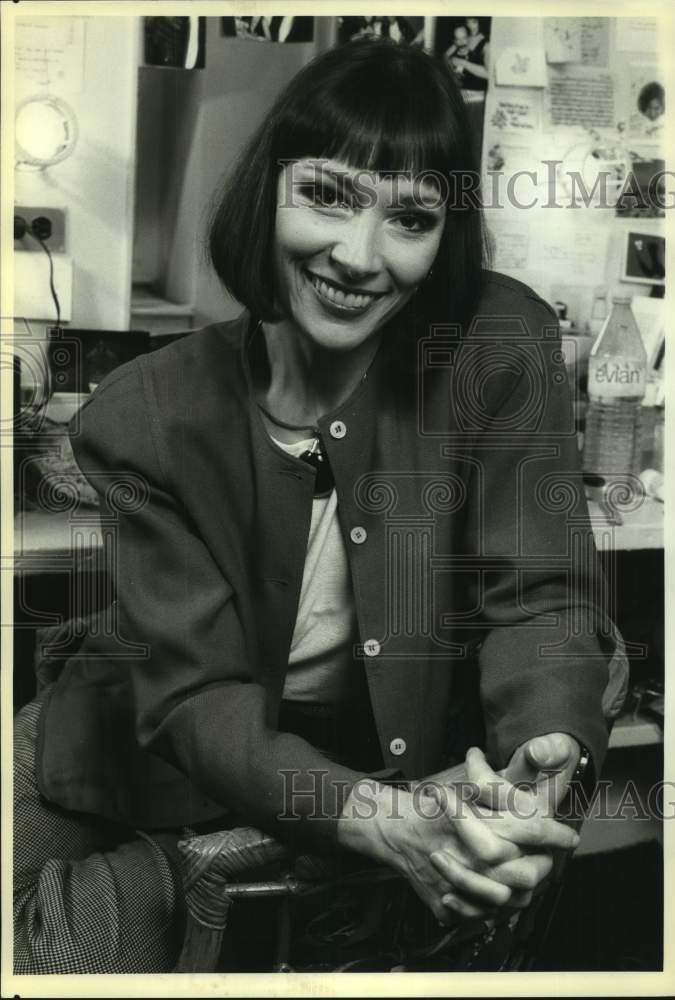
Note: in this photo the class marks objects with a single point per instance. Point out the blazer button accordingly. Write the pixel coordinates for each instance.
(371, 647)
(398, 746)
(337, 429)
(358, 535)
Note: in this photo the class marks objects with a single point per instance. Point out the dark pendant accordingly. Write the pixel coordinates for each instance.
(324, 482)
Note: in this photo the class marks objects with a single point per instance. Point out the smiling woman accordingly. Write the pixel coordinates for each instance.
(349, 252)
(350, 560)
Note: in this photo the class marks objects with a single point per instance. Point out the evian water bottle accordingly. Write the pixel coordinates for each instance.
(617, 377)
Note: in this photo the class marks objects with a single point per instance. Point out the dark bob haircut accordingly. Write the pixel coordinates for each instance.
(651, 92)
(373, 105)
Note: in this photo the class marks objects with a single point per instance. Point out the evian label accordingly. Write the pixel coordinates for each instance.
(612, 377)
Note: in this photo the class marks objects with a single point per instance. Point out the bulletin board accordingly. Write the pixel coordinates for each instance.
(572, 151)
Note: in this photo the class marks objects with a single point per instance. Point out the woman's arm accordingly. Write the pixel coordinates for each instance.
(546, 636)
(475, 69)
(199, 703)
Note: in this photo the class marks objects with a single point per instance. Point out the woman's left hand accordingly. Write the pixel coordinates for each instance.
(513, 804)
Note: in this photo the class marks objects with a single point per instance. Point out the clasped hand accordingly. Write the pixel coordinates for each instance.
(470, 840)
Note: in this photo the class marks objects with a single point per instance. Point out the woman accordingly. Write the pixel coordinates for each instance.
(325, 536)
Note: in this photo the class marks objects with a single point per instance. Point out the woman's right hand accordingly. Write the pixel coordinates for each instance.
(452, 857)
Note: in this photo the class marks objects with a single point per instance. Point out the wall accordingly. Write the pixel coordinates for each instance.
(208, 115)
(565, 252)
(95, 185)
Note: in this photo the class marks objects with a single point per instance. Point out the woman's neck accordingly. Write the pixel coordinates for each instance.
(305, 381)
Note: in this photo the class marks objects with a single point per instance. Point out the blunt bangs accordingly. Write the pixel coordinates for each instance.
(375, 106)
(390, 114)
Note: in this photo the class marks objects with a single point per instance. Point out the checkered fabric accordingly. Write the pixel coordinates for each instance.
(88, 897)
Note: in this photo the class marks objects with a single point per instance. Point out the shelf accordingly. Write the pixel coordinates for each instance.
(641, 528)
(145, 302)
(48, 542)
(635, 732)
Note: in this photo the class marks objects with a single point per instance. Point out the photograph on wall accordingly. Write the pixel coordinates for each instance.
(405, 30)
(646, 101)
(464, 45)
(645, 259)
(174, 42)
(268, 29)
(643, 192)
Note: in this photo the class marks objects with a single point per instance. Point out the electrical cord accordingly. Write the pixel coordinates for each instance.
(52, 289)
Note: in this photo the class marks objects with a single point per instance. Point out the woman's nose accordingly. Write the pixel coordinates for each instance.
(357, 252)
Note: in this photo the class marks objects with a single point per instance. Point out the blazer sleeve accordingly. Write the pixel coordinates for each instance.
(545, 635)
(197, 703)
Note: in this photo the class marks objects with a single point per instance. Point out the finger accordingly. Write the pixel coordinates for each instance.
(519, 815)
(550, 752)
(482, 842)
(463, 907)
(522, 874)
(493, 790)
(529, 830)
(480, 888)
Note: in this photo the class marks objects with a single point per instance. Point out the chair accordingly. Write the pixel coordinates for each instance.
(220, 869)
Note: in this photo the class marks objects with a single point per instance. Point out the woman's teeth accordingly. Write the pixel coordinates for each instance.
(346, 300)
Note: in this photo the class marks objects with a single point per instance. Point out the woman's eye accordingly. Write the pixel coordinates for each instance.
(324, 195)
(413, 223)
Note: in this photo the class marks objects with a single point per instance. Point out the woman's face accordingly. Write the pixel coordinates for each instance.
(350, 248)
(654, 109)
(473, 24)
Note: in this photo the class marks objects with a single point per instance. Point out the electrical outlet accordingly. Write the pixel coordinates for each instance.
(57, 217)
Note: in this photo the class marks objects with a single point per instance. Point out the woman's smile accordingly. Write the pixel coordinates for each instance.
(337, 296)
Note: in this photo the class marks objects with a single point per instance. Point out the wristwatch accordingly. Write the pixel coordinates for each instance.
(583, 770)
(582, 784)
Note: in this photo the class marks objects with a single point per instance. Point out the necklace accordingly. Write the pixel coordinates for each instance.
(314, 455)
(288, 427)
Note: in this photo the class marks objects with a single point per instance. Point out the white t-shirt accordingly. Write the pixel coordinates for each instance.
(321, 666)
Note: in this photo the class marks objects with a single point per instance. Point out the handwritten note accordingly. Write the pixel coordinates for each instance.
(581, 100)
(594, 41)
(583, 40)
(636, 34)
(49, 53)
(514, 112)
(562, 38)
(572, 252)
(511, 246)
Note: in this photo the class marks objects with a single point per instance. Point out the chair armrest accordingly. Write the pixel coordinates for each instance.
(211, 861)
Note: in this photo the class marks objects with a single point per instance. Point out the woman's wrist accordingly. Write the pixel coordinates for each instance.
(362, 825)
